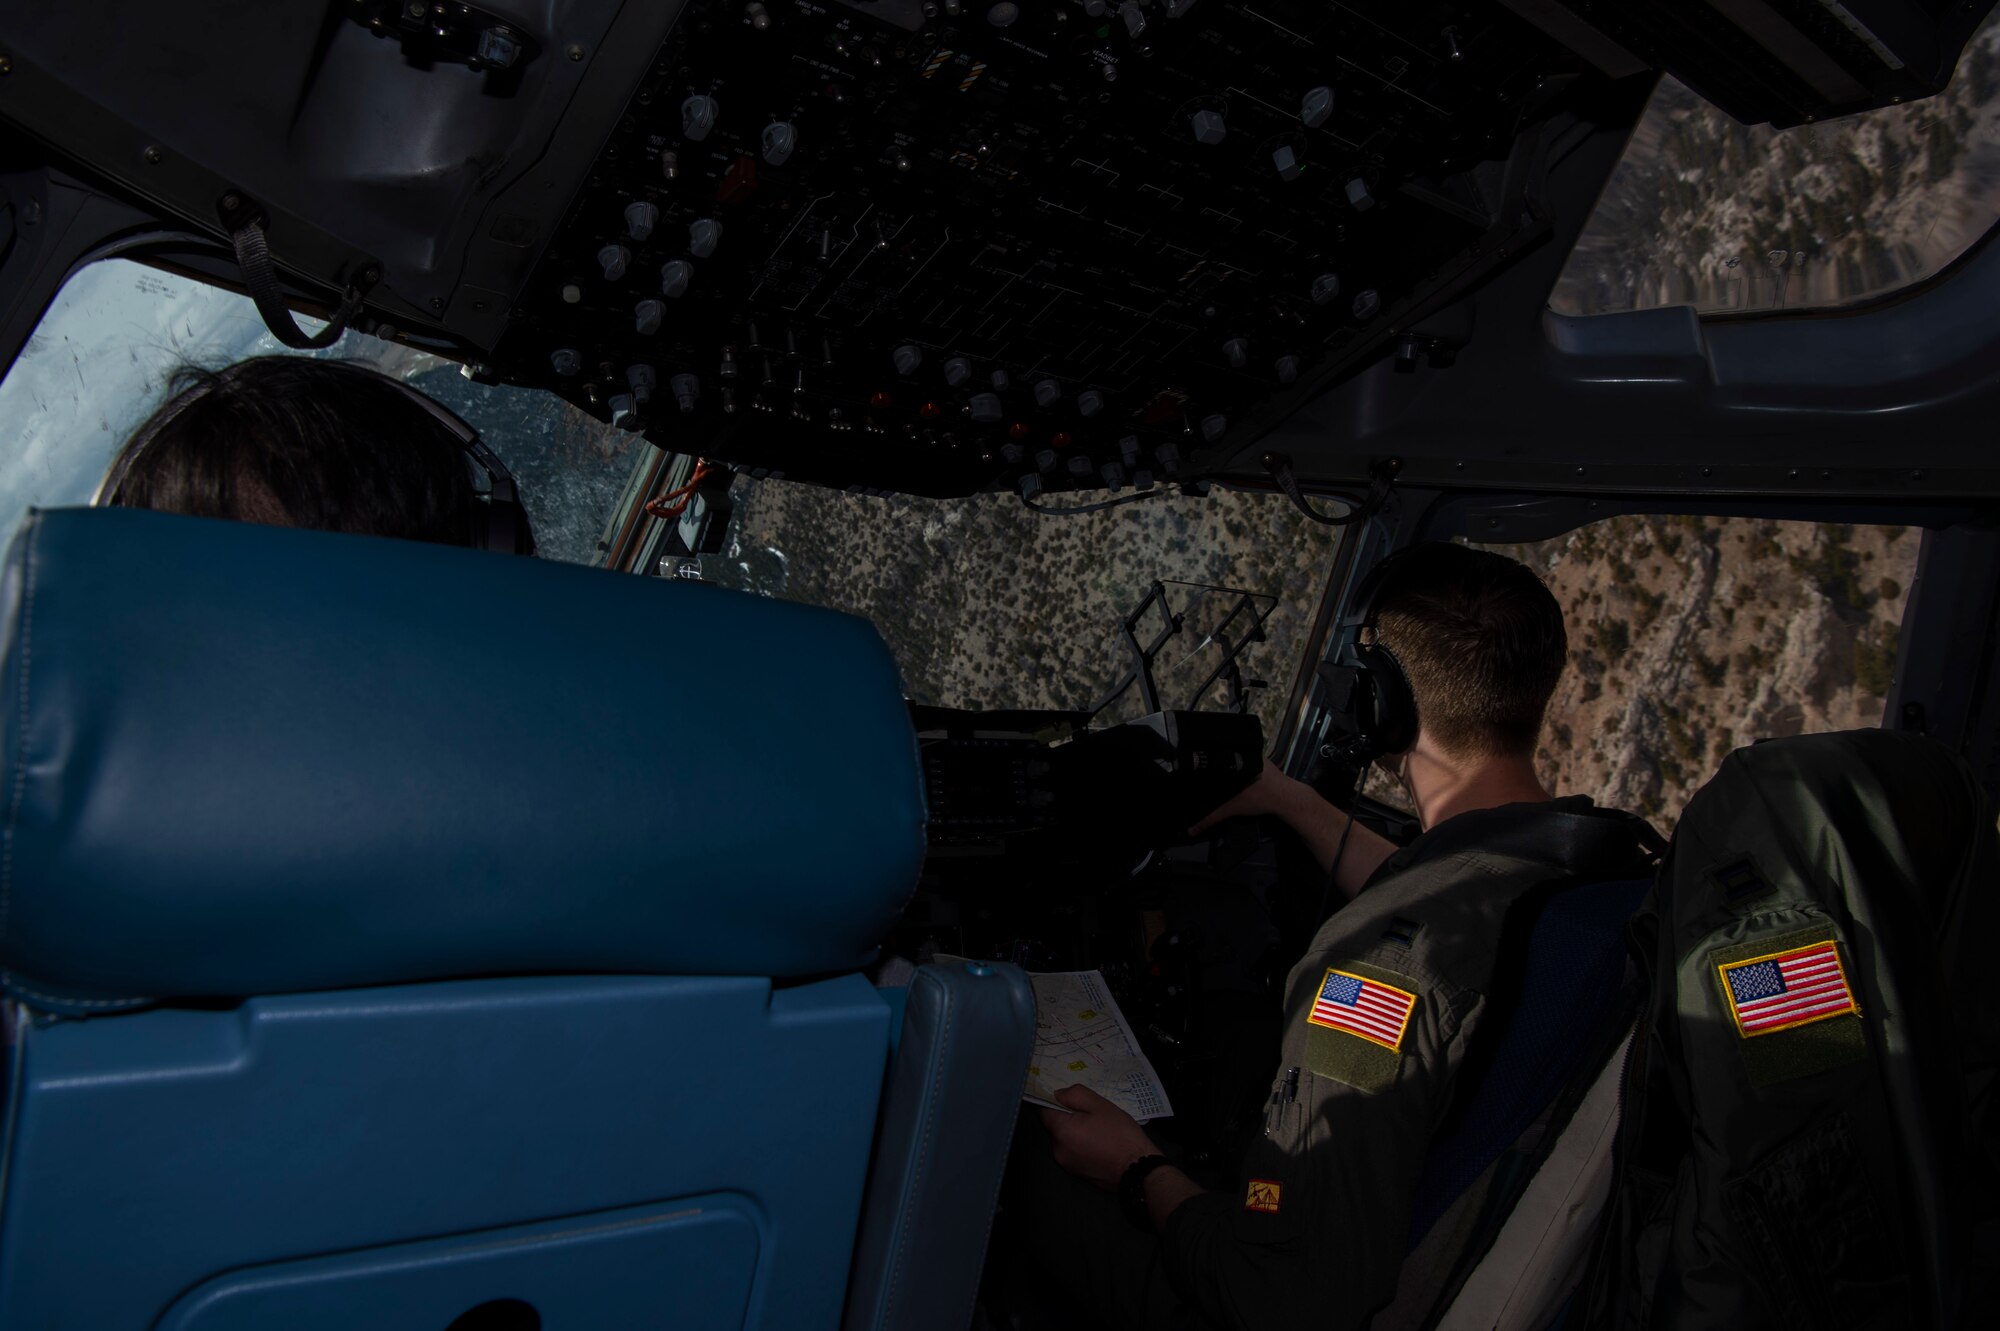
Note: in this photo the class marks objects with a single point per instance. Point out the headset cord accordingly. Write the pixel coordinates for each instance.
(1333, 870)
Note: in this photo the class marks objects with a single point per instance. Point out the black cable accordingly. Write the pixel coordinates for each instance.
(1333, 870)
(260, 278)
(1280, 468)
(1098, 507)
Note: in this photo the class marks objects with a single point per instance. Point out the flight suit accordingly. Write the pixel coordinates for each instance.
(1380, 1016)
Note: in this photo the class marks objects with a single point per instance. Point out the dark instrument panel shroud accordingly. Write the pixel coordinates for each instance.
(936, 247)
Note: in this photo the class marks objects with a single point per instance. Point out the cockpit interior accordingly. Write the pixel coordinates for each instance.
(958, 436)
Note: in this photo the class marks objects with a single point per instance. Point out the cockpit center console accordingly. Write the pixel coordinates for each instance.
(1060, 841)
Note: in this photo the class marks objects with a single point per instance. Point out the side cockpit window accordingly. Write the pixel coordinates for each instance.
(1693, 636)
(99, 362)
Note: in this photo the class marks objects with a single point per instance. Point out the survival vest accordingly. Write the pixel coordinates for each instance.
(1811, 1123)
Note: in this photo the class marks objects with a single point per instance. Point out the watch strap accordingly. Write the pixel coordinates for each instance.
(1132, 1189)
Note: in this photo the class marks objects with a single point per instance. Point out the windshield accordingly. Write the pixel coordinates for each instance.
(989, 604)
(1708, 212)
(99, 362)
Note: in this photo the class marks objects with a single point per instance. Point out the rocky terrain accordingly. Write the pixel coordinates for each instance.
(1690, 637)
(987, 603)
(1705, 211)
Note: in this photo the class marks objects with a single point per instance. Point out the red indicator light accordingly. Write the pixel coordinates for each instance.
(930, 411)
(1060, 439)
(879, 400)
(1018, 430)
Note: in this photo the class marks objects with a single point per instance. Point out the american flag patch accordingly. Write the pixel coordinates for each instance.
(1368, 1008)
(1787, 989)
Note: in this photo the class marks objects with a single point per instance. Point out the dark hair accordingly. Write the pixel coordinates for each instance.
(1482, 641)
(302, 443)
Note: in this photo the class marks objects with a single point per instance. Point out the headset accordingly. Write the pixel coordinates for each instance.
(500, 521)
(1371, 711)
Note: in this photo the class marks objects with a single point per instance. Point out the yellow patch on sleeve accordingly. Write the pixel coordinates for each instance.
(1263, 1196)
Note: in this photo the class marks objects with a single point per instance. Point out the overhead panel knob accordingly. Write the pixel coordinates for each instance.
(1359, 195)
(686, 388)
(640, 219)
(985, 408)
(675, 274)
(1208, 127)
(907, 359)
(1090, 402)
(1047, 392)
(1316, 106)
(641, 378)
(1003, 14)
(698, 115)
(1237, 352)
(957, 371)
(567, 362)
(1128, 449)
(702, 235)
(1288, 369)
(1135, 17)
(1367, 304)
(614, 260)
(1286, 159)
(647, 316)
(779, 140)
(1000, 381)
(1325, 287)
(1214, 427)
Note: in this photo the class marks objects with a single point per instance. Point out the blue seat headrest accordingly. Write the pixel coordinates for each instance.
(243, 760)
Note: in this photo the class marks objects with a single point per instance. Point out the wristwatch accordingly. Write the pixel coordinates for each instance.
(1132, 1189)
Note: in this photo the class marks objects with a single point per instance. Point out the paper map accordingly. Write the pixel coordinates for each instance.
(1081, 1038)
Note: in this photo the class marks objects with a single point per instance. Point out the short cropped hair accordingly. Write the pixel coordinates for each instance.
(288, 441)
(1482, 641)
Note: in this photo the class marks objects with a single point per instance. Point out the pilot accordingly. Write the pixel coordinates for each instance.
(1395, 991)
(294, 442)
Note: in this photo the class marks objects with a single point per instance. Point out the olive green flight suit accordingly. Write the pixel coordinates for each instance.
(1315, 1231)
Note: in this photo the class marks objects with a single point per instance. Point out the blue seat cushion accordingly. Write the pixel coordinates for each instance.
(243, 760)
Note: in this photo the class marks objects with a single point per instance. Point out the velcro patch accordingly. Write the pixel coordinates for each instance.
(1358, 1024)
(1263, 1196)
(1792, 1003)
(1781, 990)
(1357, 1005)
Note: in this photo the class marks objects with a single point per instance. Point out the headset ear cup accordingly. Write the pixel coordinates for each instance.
(502, 526)
(1395, 719)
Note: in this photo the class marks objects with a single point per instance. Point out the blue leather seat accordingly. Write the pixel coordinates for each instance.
(408, 937)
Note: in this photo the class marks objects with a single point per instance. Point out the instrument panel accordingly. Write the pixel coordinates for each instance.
(949, 246)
